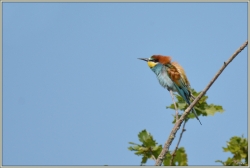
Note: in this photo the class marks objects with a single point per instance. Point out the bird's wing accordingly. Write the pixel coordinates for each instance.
(178, 76)
(182, 72)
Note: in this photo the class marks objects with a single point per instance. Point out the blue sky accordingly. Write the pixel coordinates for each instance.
(74, 92)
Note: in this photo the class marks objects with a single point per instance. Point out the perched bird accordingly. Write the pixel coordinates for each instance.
(171, 76)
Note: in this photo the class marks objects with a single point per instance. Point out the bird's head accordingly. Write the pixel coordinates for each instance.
(156, 59)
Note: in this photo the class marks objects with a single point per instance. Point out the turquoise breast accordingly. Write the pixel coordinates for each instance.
(161, 73)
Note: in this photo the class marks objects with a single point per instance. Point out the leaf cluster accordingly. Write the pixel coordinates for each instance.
(202, 107)
(238, 146)
(150, 150)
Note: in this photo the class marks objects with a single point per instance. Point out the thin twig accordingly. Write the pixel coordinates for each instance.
(176, 110)
(152, 156)
(173, 154)
(186, 112)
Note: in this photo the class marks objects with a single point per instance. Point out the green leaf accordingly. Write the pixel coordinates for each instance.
(180, 158)
(166, 161)
(133, 143)
(148, 149)
(212, 109)
(144, 160)
(146, 138)
(238, 146)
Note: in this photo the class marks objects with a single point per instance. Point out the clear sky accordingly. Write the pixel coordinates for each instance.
(74, 92)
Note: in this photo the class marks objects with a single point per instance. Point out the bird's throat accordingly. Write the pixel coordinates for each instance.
(151, 64)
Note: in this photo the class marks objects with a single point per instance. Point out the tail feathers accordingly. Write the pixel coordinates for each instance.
(193, 110)
(185, 94)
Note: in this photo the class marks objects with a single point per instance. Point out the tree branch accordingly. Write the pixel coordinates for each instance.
(176, 109)
(186, 112)
(173, 154)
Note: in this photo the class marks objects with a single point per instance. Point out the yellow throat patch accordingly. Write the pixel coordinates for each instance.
(151, 64)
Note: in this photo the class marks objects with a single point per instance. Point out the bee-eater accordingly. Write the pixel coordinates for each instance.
(171, 76)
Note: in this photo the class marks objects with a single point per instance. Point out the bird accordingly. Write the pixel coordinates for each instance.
(172, 77)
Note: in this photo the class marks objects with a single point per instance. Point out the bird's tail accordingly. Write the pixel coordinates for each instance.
(192, 96)
(186, 95)
(193, 110)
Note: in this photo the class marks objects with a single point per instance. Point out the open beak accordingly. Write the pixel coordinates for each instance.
(144, 59)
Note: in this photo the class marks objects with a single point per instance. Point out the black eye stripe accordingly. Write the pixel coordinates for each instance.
(153, 60)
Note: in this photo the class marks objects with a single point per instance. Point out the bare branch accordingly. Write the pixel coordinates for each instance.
(186, 112)
(176, 110)
(173, 154)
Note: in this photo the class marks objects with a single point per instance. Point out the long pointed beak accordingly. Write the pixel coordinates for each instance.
(144, 59)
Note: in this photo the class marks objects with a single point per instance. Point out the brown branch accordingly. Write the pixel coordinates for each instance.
(186, 112)
(173, 154)
(176, 109)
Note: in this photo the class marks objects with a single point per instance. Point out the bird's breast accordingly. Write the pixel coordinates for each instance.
(165, 81)
(162, 76)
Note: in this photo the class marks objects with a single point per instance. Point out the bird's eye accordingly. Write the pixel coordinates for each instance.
(153, 60)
